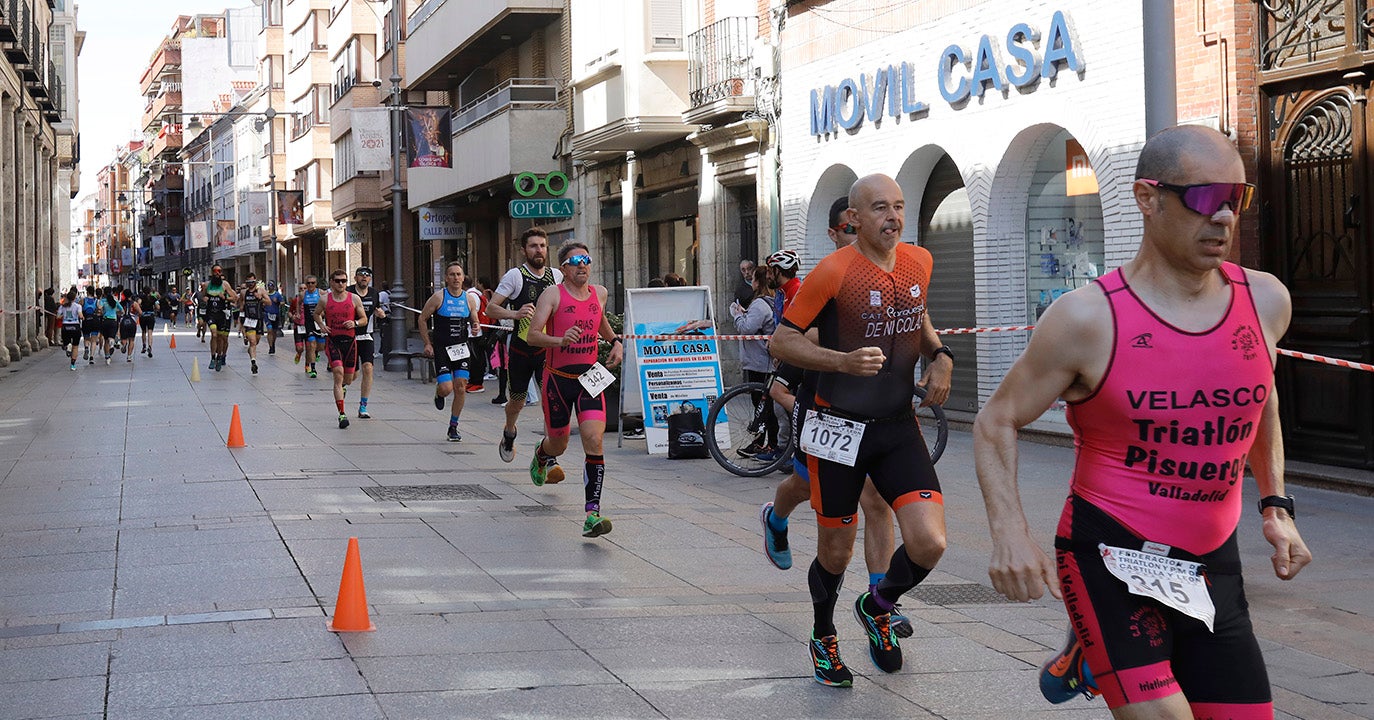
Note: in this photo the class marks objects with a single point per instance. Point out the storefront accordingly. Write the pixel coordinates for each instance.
(1013, 132)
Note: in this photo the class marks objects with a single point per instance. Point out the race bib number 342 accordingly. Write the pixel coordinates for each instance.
(831, 438)
(1178, 584)
(596, 379)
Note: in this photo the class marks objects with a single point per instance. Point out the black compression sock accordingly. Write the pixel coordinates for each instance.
(825, 591)
(902, 575)
(592, 479)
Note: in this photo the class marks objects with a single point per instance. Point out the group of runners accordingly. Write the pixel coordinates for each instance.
(1146, 556)
(1152, 502)
(104, 323)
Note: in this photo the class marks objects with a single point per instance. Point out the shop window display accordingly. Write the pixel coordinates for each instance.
(1064, 231)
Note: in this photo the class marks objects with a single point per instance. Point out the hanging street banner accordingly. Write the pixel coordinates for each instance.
(160, 244)
(334, 239)
(291, 207)
(224, 233)
(372, 138)
(357, 233)
(429, 135)
(441, 223)
(200, 236)
(259, 208)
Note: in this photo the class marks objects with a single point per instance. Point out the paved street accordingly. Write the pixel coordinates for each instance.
(148, 572)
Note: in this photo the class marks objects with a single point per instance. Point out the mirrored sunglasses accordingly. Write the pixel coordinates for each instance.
(1208, 198)
(578, 260)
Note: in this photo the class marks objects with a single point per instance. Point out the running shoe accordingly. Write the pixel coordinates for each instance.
(750, 450)
(343, 421)
(474, 389)
(73, 367)
(311, 373)
(550, 474)
(90, 360)
(453, 434)
(882, 643)
(438, 403)
(774, 542)
(825, 657)
(595, 526)
(506, 448)
(901, 624)
(1066, 675)
(128, 357)
(107, 359)
(255, 367)
(362, 412)
(298, 359)
(767, 456)
(499, 400)
(271, 351)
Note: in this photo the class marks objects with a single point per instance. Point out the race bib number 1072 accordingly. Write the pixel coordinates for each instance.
(831, 438)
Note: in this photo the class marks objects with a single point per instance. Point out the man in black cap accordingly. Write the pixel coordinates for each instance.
(372, 305)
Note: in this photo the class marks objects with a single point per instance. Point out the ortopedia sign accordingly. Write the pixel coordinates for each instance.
(542, 208)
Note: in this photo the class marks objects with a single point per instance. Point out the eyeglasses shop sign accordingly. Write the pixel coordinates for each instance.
(441, 224)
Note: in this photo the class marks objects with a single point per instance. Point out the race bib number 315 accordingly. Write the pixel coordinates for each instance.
(1178, 584)
(831, 438)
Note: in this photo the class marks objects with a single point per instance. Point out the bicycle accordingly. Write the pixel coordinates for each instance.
(738, 402)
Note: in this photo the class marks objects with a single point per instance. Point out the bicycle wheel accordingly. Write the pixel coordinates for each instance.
(933, 422)
(744, 420)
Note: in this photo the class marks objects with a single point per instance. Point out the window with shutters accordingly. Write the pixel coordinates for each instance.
(665, 26)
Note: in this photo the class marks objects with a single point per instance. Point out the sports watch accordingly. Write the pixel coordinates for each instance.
(1278, 501)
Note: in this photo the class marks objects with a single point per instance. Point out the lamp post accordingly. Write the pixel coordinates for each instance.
(396, 328)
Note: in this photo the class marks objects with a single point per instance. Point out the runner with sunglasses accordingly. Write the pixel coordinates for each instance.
(568, 319)
(338, 318)
(1167, 365)
(367, 345)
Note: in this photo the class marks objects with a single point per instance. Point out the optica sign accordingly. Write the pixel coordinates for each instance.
(545, 208)
(960, 73)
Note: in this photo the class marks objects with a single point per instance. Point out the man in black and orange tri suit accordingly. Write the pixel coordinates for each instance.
(868, 304)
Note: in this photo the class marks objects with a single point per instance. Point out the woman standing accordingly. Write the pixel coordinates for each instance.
(757, 319)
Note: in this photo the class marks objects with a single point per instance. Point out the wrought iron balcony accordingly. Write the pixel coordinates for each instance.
(719, 58)
(513, 93)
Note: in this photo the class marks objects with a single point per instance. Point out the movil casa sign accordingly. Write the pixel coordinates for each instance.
(1019, 60)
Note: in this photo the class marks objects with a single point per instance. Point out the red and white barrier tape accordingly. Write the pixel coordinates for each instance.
(27, 309)
(1328, 360)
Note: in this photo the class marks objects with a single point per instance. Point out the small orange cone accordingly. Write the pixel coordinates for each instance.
(350, 610)
(235, 430)
(173, 344)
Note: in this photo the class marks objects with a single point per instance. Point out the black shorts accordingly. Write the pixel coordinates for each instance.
(564, 395)
(366, 351)
(891, 453)
(109, 327)
(147, 322)
(127, 331)
(1139, 649)
(447, 369)
(220, 321)
(257, 328)
(90, 326)
(521, 367)
(342, 350)
(71, 335)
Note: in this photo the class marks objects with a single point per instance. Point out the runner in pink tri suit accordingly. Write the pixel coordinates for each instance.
(1167, 366)
(568, 318)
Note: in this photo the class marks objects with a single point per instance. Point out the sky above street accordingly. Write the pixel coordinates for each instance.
(120, 39)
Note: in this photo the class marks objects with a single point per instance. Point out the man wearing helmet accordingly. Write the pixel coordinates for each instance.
(782, 277)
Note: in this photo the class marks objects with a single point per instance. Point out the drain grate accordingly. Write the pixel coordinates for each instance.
(401, 493)
(958, 594)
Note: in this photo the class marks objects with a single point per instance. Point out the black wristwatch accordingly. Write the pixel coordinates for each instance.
(942, 350)
(1278, 501)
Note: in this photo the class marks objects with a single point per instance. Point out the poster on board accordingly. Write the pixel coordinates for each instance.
(663, 377)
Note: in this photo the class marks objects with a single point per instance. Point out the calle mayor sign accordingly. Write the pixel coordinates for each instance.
(959, 75)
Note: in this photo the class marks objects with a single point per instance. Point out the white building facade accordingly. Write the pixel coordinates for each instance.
(1013, 129)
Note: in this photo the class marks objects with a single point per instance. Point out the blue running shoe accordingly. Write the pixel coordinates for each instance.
(774, 542)
(1066, 675)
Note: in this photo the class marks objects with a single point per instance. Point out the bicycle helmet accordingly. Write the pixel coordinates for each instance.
(783, 259)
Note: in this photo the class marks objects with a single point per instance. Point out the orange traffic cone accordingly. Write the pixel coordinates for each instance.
(173, 344)
(350, 610)
(235, 430)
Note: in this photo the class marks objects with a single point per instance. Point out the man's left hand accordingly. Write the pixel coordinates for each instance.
(936, 380)
(1290, 552)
